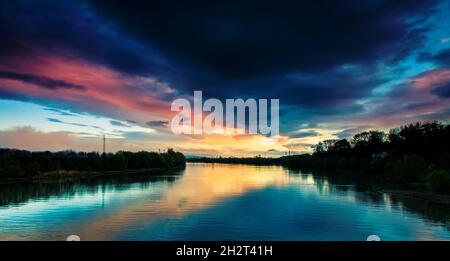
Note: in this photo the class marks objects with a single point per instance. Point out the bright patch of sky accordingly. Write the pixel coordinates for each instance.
(19, 114)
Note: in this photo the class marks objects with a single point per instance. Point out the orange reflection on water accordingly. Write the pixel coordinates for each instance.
(199, 188)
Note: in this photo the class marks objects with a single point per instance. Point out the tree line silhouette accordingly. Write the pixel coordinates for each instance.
(416, 156)
(21, 163)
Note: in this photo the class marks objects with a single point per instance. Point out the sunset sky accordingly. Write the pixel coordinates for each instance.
(73, 71)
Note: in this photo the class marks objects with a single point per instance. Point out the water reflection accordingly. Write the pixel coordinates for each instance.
(14, 193)
(214, 201)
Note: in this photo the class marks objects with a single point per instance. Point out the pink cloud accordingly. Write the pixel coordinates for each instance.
(411, 102)
(431, 79)
(105, 90)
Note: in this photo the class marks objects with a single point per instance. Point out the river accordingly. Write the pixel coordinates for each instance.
(214, 202)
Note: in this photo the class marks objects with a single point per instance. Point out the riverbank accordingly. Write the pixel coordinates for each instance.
(420, 195)
(66, 176)
(373, 181)
(20, 165)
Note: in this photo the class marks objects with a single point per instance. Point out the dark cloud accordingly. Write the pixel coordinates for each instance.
(441, 58)
(304, 98)
(54, 120)
(440, 115)
(303, 134)
(229, 40)
(349, 133)
(80, 125)
(41, 81)
(157, 123)
(227, 48)
(9, 95)
(320, 58)
(132, 122)
(62, 112)
(70, 28)
(417, 105)
(10, 45)
(442, 91)
(118, 123)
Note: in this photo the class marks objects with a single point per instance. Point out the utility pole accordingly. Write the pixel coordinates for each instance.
(104, 144)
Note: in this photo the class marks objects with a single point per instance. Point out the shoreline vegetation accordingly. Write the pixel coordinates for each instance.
(21, 165)
(413, 158)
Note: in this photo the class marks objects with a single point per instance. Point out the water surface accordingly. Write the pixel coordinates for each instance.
(215, 202)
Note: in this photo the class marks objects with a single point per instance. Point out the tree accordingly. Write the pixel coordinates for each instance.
(410, 168)
(439, 181)
(328, 145)
(341, 146)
